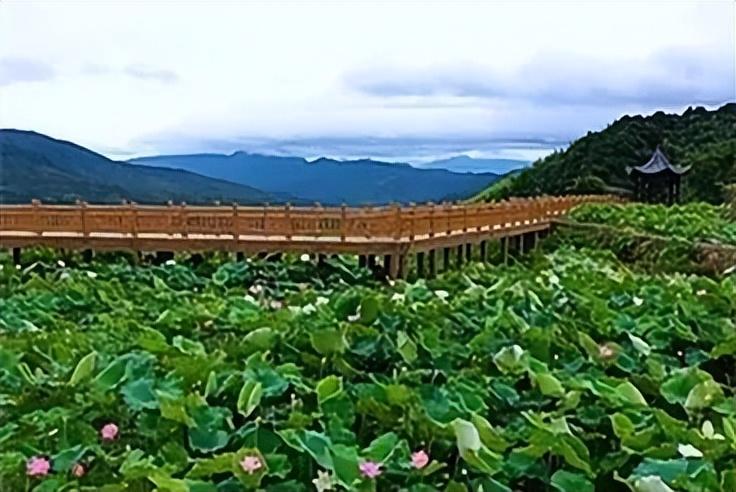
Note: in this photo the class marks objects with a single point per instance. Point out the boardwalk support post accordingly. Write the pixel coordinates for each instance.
(420, 264)
(459, 255)
(402, 270)
(505, 250)
(87, 255)
(432, 262)
(483, 252)
(468, 252)
(446, 259)
(16, 256)
(362, 261)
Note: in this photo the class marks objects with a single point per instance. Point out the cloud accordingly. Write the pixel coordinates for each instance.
(667, 78)
(151, 73)
(16, 69)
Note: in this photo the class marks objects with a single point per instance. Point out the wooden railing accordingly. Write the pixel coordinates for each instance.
(388, 223)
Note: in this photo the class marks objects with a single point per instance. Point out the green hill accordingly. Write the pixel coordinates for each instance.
(597, 162)
(36, 166)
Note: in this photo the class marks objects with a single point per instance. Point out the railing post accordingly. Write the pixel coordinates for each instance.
(397, 218)
(343, 222)
(183, 219)
(234, 231)
(82, 217)
(36, 216)
(431, 219)
(465, 218)
(318, 222)
(448, 209)
(287, 214)
(134, 220)
(412, 226)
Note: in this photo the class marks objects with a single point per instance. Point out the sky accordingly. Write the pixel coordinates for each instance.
(398, 80)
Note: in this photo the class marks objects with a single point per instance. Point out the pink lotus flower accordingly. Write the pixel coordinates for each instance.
(78, 470)
(109, 432)
(420, 459)
(370, 469)
(251, 464)
(38, 467)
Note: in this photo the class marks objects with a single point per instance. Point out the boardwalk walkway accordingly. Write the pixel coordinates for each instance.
(393, 231)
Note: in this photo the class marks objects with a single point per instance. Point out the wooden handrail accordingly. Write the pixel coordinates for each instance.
(388, 222)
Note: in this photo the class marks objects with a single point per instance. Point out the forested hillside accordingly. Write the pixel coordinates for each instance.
(597, 162)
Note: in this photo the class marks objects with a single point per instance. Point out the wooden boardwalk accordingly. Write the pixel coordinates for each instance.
(393, 231)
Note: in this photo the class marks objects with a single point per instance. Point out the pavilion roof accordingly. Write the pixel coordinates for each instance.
(658, 164)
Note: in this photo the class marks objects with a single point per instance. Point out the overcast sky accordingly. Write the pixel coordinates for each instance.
(400, 79)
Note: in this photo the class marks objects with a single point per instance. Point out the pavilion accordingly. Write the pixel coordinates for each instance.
(657, 180)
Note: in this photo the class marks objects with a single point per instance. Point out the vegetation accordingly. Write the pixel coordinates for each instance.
(705, 140)
(567, 372)
(34, 166)
(692, 222)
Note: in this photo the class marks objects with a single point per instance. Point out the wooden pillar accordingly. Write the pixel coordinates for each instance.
(469, 252)
(505, 250)
(362, 261)
(196, 259)
(420, 264)
(459, 255)
(402, 269)
(391, 266)
(321, 260)
(371, 262)
(239, 256)
(520, 239)
(16, 256)
(87, 255)
(483, 252)
(432, 263)
(446, 258)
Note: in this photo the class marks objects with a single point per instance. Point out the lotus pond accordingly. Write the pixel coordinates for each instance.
(568, 372)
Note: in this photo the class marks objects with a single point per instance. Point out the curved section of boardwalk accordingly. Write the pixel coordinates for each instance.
(392, 230)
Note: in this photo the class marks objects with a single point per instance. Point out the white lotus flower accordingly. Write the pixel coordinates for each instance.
(61, 263)
(709, 432)
(304, 257)
(276, 304)
(397, 297)
(651, 483)
(638, 301)
(309, 309)
(321, 300)
(442, 294)
(92, 274)
(170, 262)
(689, 451)
(701, 292)
(323, 481)
(354, 317)
(255, 289)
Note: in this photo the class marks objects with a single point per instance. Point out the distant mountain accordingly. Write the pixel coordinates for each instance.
(596, 162)
(466, 164)
(328, 181)
(36, 166)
